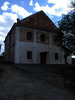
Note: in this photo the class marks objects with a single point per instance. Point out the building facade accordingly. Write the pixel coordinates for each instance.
(31, 41)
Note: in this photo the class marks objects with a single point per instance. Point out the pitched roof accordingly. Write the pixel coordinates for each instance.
(39, 20)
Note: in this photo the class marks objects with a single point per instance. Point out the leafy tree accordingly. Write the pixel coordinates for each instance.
(65, 37)
(2, 54)
(0, 46)
(73, 5)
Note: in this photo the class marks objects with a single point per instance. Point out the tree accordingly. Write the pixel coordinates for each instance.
(65, 37)
(2, 54)
(61, 41)
(0, 46)
(73, 5)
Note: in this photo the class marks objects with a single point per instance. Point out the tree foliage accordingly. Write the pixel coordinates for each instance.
(67, 26)
(65, 37)
(67, 23)
(73, 5)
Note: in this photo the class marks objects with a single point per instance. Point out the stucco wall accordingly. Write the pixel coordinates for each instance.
(23, 35)
(12, 45)
(55, 49)
(6, 55)
(42, 48)
(24, 47)
(11, 59)
(28, 46)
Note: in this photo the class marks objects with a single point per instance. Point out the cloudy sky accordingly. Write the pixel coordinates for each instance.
(10, 10)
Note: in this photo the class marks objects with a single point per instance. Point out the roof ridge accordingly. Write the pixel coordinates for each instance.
(31, 15)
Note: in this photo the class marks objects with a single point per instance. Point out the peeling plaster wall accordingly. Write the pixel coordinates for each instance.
(22, 46)
(28, 46)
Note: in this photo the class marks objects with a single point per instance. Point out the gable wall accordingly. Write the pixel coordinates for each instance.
(40, 20)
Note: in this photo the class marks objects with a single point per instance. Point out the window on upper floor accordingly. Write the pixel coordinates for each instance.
(56, 56)
(29, 36)
(29, 54)
(42, 37)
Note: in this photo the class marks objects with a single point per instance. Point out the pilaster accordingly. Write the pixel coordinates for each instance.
(50, 50)
(34, 47)
(17, 44)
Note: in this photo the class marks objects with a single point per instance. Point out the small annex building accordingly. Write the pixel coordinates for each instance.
(31, 41)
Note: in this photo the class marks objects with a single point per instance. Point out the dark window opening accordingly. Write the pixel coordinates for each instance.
(56, 56)
(29, 54)
(42, 38)
(29, 36)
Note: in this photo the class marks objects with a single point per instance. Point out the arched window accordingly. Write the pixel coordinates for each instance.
(42, 37)
(29, 36)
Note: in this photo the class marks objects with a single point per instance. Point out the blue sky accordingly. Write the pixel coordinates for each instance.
(10, 10)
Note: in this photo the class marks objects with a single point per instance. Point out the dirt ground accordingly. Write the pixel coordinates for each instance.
(25, 82)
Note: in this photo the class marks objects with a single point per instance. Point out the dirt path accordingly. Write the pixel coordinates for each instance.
(18, 84)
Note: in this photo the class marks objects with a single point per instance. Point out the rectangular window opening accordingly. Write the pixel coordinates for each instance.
(29, 54)
(56, 56)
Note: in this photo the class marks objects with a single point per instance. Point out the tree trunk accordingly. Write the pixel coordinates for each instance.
(65, 57)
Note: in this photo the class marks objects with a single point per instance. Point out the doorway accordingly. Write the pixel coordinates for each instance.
(43, 57)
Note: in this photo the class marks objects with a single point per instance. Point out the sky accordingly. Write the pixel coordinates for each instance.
(10, 10)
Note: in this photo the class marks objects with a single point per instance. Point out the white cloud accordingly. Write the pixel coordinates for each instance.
(46, 9)
(5, 6)
(6, 22)
(20, 11)
(61, 4)
(31, 3)
(2, 45)
(60, 7)
(8, 19)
